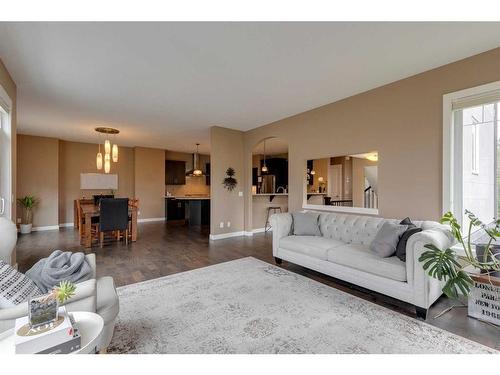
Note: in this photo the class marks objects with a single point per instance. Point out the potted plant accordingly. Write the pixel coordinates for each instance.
(28, 203)
(445, 265)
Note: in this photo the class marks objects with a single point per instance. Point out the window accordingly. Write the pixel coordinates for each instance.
(475, 149)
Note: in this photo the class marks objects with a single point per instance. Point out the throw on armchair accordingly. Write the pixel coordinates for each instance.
(94, 295)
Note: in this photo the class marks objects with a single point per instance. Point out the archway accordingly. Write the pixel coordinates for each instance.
(269, 181)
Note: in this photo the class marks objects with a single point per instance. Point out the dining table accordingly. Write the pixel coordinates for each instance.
(90, 210)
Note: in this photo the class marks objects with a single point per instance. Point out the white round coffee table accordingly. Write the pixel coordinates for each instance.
(89, 324)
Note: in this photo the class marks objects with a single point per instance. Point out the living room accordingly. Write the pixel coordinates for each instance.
(317, 201)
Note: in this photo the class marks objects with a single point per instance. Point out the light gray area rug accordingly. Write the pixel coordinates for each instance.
(249, 306)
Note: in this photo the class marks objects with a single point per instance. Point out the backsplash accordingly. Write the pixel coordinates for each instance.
(194, 185)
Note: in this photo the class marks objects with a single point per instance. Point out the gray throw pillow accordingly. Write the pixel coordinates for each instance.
(387, 238)
(306, 224)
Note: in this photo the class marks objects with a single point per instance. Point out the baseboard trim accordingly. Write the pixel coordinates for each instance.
(214, 237)
(151, 219)
(261, 230)
(65, 225)
(44, 228)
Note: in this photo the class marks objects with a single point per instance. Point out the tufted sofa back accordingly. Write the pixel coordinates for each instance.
(356, 229)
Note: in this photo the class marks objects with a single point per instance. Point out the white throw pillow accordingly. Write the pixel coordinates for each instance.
(15, 287)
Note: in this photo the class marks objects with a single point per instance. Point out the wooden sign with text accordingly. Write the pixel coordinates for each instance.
(484, 299)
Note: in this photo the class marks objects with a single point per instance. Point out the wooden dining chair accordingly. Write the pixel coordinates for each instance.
(113, 218)
(80, 224)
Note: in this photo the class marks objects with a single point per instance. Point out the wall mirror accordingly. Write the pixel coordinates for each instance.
(347, 183)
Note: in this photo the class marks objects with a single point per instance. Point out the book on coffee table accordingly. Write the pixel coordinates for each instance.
(57, 337)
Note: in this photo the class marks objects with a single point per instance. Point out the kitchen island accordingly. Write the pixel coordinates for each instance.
(193, 209)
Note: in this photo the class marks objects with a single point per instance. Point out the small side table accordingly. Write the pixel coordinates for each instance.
(89, 324)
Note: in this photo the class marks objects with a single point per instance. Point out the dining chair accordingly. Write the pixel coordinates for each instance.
(97, 198)
(79, 215)
(113, 214)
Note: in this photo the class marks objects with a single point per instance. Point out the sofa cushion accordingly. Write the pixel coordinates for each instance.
(361, 258)
(15, 287)
(107, 300)
(412, 229)
(306, 224)
(313, 246)
(387, 238)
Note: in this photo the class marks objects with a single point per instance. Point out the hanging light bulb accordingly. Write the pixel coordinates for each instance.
(107, 163)
(264, 166)
(107, 147)
(99, 159)
(115, 153)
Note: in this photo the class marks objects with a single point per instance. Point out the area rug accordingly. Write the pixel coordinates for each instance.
(249, 306)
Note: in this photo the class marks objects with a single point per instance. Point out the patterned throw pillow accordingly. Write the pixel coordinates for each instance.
(15, 287)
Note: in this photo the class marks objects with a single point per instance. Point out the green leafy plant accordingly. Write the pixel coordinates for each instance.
(28, 203)
(230, 182)
(446, 265)
(64, 291)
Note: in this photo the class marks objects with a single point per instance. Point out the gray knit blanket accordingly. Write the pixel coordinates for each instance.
(59, 266)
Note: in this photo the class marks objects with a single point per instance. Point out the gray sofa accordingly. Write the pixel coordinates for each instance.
(342, 251)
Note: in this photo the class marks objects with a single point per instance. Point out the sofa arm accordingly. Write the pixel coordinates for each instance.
(282, 227)
(83, 300)
(426, 289)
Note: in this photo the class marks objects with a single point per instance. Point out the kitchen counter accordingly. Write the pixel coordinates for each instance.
(267, 194)
(194, 210)
(188, 197)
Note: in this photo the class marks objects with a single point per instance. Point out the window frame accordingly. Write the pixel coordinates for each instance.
(451, 192)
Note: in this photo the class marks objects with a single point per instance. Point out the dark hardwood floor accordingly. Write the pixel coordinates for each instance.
(164, 249)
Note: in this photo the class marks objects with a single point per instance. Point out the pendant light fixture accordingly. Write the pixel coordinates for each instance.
(99, 159)
(110, 151)
(107, 163)
(196, 160)
(264, 166)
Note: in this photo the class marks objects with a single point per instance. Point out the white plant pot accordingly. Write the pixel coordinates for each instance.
(25, 228)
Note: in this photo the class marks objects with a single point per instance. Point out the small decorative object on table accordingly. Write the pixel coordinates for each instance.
(469, 274)
(230, 182)
(43, 310)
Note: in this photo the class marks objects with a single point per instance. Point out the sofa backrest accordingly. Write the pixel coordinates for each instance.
(359, 229)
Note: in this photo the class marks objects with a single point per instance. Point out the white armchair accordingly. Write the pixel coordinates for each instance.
(8, 234)
(94, 295)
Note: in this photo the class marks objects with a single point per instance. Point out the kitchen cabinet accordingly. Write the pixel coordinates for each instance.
(175, 209)
(175, 172)
(279, 168)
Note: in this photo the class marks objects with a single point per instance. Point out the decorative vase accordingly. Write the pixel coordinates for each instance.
(25, 228)
(43, 310)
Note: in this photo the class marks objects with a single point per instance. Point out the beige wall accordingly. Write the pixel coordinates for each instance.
(150, 181)
(37, 163)
(402, 120)
(358, 180)
(320, 166)
(227, 151)
(50, 169)
(78, 157)
(9, 86)
(194, 185)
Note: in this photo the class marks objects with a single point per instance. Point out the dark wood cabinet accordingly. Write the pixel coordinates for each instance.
(279, 168)
(175, 172)
(310, 180)
(175, 209)
(207, 174)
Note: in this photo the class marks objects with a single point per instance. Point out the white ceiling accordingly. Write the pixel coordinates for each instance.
(165, 84)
